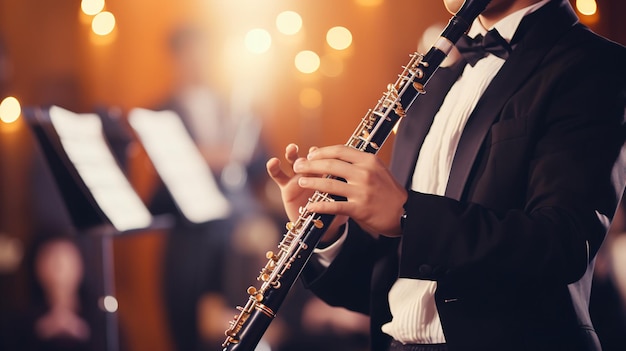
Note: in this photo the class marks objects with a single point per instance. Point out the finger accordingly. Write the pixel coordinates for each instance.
(291, 153)
(340, 152)
(326, 185)
(321, 167)
(341, 208)
(275, 171)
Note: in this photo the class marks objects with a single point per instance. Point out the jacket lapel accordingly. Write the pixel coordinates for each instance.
(540, 32)
(414, 127)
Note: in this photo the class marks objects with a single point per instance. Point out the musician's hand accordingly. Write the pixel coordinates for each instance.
(374, 199)
(293, 195)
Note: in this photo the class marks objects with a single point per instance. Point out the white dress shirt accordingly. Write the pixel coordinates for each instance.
(415, 317)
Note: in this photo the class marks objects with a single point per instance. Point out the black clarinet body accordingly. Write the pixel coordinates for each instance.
(295, 249)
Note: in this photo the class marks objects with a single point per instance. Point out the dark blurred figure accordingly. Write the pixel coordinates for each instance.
(54, 317)
(62, 312)
(208, 266)
(62, 266)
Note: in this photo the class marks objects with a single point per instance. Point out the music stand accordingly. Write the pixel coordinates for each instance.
(99, 198)
(182, 168)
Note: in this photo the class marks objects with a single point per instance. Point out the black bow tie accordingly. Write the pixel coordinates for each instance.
(475, 49)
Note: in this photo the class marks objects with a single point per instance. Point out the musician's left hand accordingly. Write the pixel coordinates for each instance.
(374, 198)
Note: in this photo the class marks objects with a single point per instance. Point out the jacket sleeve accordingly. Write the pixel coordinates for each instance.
(346, 282)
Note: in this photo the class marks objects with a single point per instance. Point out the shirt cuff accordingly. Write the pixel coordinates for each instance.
(326, 255)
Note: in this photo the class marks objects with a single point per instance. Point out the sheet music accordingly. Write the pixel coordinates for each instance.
(180, 164)
(83, 141)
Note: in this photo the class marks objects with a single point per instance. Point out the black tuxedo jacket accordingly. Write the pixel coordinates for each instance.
(534, 184)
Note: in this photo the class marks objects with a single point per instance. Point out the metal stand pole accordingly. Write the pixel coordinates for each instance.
(108, 302)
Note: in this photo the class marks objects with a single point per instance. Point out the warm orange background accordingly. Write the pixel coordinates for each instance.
(55, 60)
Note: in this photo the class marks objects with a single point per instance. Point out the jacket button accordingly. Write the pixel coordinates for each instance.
(425, 269)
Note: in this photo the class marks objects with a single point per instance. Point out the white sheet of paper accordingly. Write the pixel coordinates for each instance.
(83, 141)
(180, 164)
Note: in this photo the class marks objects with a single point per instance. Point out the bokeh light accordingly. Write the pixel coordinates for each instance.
(103, 23)
(587, 7)
(288, 22)
(307, 61)
(91, 7)
(110, 304)
(10, 110)
(339, 38)
(429, 36)
(258, 41)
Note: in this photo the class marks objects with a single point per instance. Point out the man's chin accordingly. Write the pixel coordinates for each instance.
(453, 6)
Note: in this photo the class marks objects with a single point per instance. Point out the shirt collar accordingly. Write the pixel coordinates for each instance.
(508, 25)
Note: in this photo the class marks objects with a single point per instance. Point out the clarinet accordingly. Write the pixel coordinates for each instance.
(295, 249)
